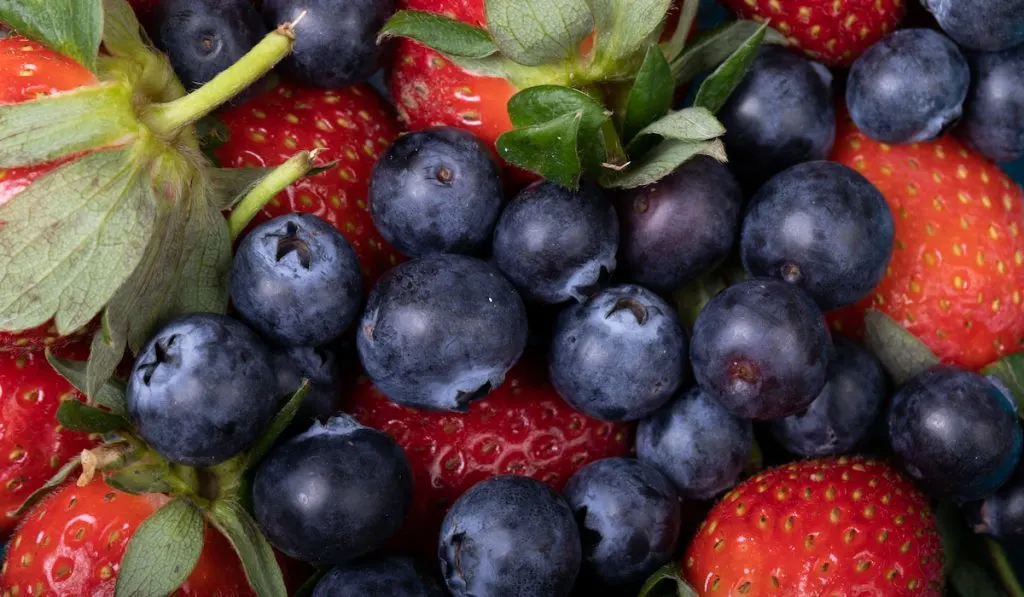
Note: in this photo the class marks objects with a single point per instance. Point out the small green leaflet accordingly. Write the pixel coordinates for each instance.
(441, 33)
(52, 483)
(712, 48)
(536, 32)
(278, 426)
(688, 124)
(667, 582)
(691, 299)
(902, 354)
(662, 161)
(78, 416)
(252, 547)
(687, 16)
(541, 104)
(71, 27)
(719, 85)
(121, 31)
(147, 474)
(650, 98)
(624, 27)
(1010, 371)
(105, 354)
(549, 149)
(163, 551)
(110, 396)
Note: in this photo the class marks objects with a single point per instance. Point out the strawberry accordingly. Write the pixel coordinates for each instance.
(834, 32)
(352, 125)
(957, 270)
(523, 428)
(822, 527)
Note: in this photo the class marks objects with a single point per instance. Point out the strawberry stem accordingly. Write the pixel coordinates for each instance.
(1004, 570)
(266, 189)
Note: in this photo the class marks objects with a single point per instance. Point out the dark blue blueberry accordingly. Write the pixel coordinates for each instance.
(989, 25)
(441, 331)
(334, 493)
(697, 443)
(204, 37)
(510, 537)
(1002, 513)
(437, 191)
(319, 366)
(336, 40)
(761, 348)
(908, 87)
(629, 518)
(955, 433)
(823, 227)
(843, 413)
(620, 356)
(377, 576)
(202, 390)
(780, 115)
(556, 244)
(993, 121)
(680, 227)
(297, 281)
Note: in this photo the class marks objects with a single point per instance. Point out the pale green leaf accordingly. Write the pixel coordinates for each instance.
(625, 27)
(712, 48)
(105, 353)
(229, 185)
(441, 33)
(71, 27)
(650, 98)
(279, 425)
(47, 488)
(687, 16)
(535, 32)
(662, 161)
(78, 416)
(688, 124)
(252, 547)
(205, 265)
(900, 352)
(163, 551)
(111, 395)
(122, 34)
(719, 85)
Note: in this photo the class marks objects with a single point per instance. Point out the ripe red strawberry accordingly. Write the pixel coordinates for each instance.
(957, 273)
(834, 32)
(352, 125)
(846, 526)
(522, 428)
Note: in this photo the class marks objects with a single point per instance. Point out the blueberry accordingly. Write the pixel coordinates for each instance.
(697, 443)
(761, 348)
(629, 518)
(989, 25)
(336, 40)
(993, 121)
(823, 227)
(680, 227)
(620, 356)
(202, 389)
(204, 37)
(954, 433)
(843, 413)
(334, 493)
(781, 114)
(297, 281)
(377, 576)
(510, 536)
(441, 331)
(437, 191)
(318, 365)
(556, 244)
(908, 87)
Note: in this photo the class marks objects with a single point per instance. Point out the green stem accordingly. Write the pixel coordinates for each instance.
(1004, 570)
(266, 189)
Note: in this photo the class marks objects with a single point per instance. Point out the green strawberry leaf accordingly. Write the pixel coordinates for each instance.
(111, 394)
(1010, 371)
(78, 416)
(688, 124)
(550, 149)
(147, 474)
(544, 103)
(687, 16)
(163, 551)
(667, 582)
(252, 547)
(278, 426)
(71, 27)
(212, 134)
(719, 85)
(624, 28)
(691, 299)
(122, 33)
(444, 34)
(203, 271)
(662, 161)
(650, 98)
(105, 354)
(536, 32)
(228, 186)
(900, 352)
(46, 488)
(712, 48)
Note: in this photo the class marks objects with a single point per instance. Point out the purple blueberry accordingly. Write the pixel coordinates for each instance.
(821, 226)
(510, 536)
(378, 576)
(437, 191)
(989, 25)
(993, 121)
(619, 356)
(318, 365)
(761, 348)
(680, 227)
(441, 331)
(908, 87)
(555, 244)
(955, 433)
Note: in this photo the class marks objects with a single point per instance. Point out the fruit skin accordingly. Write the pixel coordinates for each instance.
(908, 87)
(496, 514)
(437, 191)
(761, 348)
(334, 493)
(34, 443)
(956, 276)
(441, 331)
(556, 244)
(955, 433)
(990, 25)
(177, 397)
(843, 413)
(697, 443)
(523, 427)
(619, 356)
(780, 115)
(830, 524)
(833, 33)
(821, 226)
(698, 207)
(629, 518)
(296, 280)
(1001, 514)
(992, 123)
(72, 544)
(383, 576)
(351, 125)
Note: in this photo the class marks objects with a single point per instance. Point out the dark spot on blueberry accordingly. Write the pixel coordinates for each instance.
(791, 273)
(640, 205)
(444, 175)
(638, 310)
(291, 243)
(464, 398)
